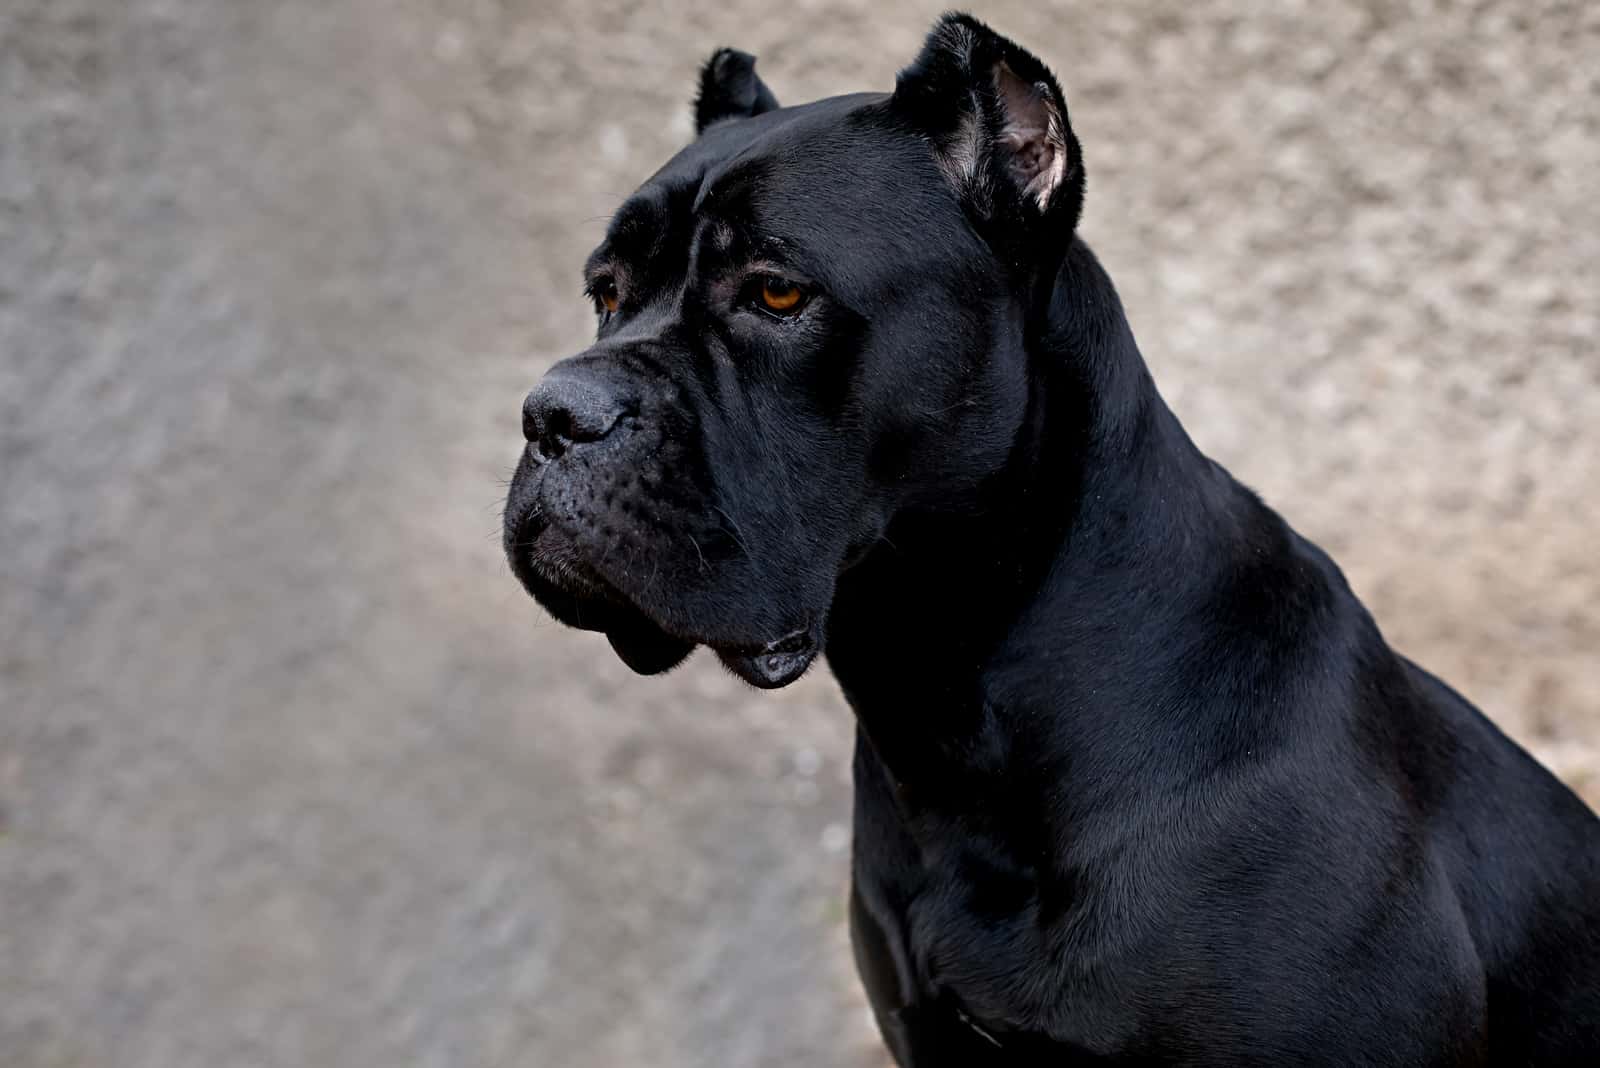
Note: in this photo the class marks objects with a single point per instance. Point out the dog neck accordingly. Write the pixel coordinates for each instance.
(1067, 576)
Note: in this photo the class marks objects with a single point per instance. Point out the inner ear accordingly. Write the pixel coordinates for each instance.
(1031, 138)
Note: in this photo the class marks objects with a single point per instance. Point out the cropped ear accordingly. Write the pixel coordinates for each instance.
(729, 89)
(997, 123)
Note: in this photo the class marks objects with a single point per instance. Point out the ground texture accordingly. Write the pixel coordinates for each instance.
(291, 774)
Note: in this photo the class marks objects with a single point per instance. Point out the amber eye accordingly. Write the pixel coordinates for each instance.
(605, 296)
(781, 296)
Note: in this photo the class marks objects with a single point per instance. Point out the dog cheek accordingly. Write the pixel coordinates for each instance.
(890, 459)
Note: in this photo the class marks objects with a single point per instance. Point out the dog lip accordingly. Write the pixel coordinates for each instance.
(550, 567)
(559, 580)
(778, 662)
(567, 576)
(577, 596)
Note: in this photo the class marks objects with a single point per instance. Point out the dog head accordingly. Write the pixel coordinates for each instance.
(810, 319)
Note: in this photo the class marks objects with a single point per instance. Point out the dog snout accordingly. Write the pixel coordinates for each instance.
(571, 408)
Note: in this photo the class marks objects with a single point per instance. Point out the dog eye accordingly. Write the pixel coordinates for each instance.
(781, 296)
(604, 293)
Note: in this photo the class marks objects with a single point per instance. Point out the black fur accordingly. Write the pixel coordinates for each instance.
(730, 89)
(1138, 781)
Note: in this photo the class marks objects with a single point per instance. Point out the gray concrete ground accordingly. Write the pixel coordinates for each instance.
(291, 774)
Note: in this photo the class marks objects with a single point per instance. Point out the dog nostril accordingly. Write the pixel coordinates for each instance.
(556, 434)
(566, 410)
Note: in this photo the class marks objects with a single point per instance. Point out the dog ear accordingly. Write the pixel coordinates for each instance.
(997, 122)
(730, 89)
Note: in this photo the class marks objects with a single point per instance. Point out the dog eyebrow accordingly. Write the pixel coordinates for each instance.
(643, 225)
(600, 261)
(720, 193)
(719, 232)
(636, 228)
(718, 184)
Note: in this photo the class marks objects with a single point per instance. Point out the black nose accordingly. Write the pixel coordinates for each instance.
(569, 408)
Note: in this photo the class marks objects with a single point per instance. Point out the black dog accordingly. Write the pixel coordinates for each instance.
(1138, 781)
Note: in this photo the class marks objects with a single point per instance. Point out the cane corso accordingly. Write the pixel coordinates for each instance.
(1137, 779)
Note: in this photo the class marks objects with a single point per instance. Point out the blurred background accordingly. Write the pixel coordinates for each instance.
(292, 773)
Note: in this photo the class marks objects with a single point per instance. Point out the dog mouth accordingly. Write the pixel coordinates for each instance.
(557, 577)
(551, 568)
(778, 662)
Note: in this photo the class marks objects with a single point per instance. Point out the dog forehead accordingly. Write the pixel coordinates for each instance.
(835, 148)
(825, 158)
(837, 190)
(776, 133)
(838, 170)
